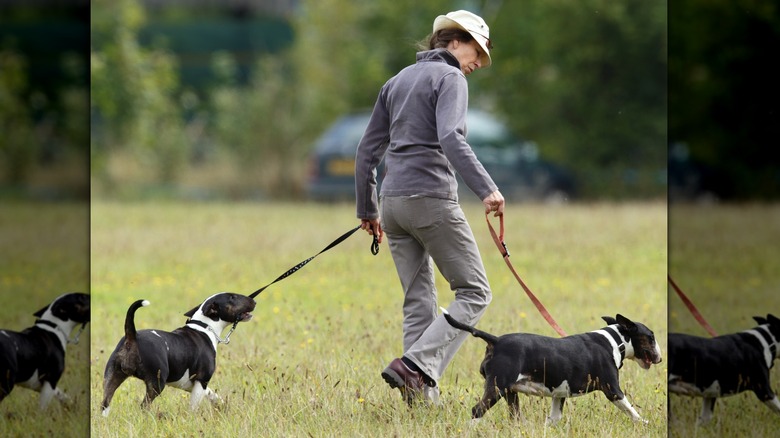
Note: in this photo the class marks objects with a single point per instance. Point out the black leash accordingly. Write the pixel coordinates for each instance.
(343, 237)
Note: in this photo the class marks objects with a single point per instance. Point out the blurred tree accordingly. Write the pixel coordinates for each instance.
(133, 94)
(18, 148)
(723, 91)
(587, 80)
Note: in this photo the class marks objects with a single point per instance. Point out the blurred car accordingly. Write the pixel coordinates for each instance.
(513, 163)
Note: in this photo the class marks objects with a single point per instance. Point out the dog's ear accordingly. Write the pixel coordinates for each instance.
(772, 319)
(41, 312)
(625, 322)
(760, 319)
(609, 320)
(211, 310)
(191, 313)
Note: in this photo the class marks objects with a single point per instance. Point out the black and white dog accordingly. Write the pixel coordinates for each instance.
(35, 357)
(725, 365)
(561, 367)
(184, 358)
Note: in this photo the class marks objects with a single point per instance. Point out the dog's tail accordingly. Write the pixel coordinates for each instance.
(487, 337)
(130, 319)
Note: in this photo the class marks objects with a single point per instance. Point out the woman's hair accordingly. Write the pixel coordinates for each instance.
(442, 38)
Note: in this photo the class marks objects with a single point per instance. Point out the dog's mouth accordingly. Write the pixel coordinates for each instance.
(648, 360)
(244, 317)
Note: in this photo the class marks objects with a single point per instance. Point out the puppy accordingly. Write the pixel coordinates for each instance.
(35, 357)
(561, 367)
(184, 358)
(725, 365)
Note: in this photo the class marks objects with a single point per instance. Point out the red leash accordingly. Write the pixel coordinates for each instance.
(692, 308)
(499, 240)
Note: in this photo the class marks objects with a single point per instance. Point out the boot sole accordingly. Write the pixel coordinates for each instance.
(392, 378)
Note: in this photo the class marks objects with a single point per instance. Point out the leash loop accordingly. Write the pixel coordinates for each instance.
(375, 246)
(691, 308)
(502, 248)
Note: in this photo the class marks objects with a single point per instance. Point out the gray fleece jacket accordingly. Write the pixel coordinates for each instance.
(418, 126)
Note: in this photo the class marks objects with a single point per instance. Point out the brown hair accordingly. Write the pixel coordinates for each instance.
(442, 38)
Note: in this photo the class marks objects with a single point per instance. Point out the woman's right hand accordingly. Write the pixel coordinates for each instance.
(494, 202)
(373, 227)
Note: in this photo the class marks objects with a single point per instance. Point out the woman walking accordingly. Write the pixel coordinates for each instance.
(418, 126)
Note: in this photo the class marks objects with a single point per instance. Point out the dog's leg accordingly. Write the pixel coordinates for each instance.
(61, 396)
(213, 397)
(112, 381)
(773, 404)
(153, 390)
(623, 404)
(197, 393)
(491, 396)
(513, 399)
(707, 407)
(556, 413)
(47, 392)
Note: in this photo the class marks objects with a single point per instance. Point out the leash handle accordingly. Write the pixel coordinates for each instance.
(501, 245)
(294, 269)
(691, 308)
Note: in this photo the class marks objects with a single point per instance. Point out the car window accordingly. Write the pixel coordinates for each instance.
(344, 136)
(482, 130)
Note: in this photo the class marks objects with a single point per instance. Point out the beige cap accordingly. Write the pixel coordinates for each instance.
(471, 23)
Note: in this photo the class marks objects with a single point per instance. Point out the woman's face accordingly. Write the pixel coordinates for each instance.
(468, 54)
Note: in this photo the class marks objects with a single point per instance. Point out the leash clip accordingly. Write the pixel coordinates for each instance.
(375, 246)
(506, 250)
(227, 337)
(75, 340)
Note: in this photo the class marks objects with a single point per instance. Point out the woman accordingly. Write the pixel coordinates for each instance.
(418, 126)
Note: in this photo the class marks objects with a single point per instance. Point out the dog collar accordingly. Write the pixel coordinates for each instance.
(214, 332)
(46, 323)
(617, 342)
(767, 341)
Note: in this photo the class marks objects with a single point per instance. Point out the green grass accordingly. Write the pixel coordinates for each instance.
(727, 260)
(308, 364)
(44, 253)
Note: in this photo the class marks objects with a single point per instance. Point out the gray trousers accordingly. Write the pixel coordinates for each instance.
(422, 231)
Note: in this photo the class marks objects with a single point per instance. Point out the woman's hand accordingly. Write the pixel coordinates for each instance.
(373, 227)
(494, 202)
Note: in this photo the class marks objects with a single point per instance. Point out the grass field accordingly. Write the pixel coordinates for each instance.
(44, 253)
(308, 364)
(727, 260)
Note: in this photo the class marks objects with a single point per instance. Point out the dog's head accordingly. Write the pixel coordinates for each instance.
(225, 306)
(646, 351)
(71, 306)
(772, 322)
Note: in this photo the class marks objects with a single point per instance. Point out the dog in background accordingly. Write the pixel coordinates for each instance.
(35, 357)
(725, 365)
(184, 358)
(561, 367)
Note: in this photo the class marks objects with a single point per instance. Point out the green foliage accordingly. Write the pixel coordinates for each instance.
(134, 93)
(587, 80)
(723, 94)
(18, 146)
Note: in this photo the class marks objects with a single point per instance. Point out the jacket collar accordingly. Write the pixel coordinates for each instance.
(438, 55)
